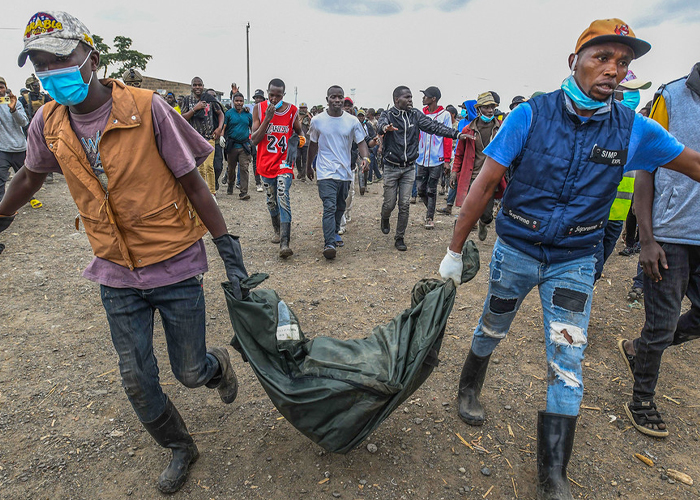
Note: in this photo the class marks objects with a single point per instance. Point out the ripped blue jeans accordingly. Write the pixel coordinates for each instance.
(277, 196)
(566, 291)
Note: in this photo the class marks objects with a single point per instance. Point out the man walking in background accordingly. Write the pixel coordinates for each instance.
(237, 124)
(434, 152)
(399, 126)
(206, 117)
(332, 135)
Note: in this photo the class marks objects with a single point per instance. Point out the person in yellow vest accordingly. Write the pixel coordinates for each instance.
(130, 163)
(170, 99)
(627, 93)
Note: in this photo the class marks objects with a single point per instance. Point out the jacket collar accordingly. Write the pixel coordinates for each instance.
(693, 80)
(426, 111)
(124, 111)
(599, 115)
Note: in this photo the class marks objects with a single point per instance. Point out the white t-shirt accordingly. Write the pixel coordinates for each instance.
(335, 136)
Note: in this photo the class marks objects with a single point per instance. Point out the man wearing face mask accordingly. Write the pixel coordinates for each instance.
(567, 151)
(130, 162)
(35, 98)
(274, 122)
(470, 157)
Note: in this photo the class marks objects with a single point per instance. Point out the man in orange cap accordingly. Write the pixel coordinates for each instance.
(567, 152)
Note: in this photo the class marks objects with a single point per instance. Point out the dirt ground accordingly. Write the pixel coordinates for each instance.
(68, 431)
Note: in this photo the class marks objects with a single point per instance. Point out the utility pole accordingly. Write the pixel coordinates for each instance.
(247, 56)
(295, 95)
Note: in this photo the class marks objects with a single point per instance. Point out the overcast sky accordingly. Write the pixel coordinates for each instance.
(462, 46)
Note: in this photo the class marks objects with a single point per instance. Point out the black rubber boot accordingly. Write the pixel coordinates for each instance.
(555, 440)
(470, 383)
(170, 431)
(275, 229)
(285, 229)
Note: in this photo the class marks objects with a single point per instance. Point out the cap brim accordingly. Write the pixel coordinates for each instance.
(639, 47)
(486, 104)
(636, 84)
(52, 45)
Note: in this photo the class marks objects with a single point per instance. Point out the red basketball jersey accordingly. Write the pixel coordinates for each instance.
(272, 150)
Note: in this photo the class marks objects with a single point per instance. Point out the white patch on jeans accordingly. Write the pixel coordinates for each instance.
(566, 334)
(492, 333)
(288, 332)
(567, 377)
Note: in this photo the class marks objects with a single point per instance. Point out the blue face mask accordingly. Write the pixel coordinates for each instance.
(463, 113)
(631, 99)
(487, 118)
(580, 99)
(66, 85)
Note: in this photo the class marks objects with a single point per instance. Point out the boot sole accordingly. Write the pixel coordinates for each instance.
(621, 348)
(286, 253)
(476, 422)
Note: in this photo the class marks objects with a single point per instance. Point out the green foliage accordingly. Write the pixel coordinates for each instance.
(123, 57)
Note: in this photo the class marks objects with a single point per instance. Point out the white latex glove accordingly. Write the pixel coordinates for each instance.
(222, 142)
(451, 267)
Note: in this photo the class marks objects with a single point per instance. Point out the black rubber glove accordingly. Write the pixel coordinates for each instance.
(5, 221)
(230, 251)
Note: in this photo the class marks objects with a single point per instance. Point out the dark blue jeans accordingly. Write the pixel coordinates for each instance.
(451, 196)
(664, 325)
(333, 193)
(374, 164)
(613, 230)
(130, 314)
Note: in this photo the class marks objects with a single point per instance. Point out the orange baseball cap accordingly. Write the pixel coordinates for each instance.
(612, 30)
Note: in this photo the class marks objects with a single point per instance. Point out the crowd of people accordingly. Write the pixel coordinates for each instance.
(563, 173)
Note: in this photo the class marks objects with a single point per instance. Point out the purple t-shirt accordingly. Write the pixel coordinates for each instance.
(182, 149)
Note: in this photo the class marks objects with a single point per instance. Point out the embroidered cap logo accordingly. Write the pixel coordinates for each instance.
(42, 23)
(622, 29)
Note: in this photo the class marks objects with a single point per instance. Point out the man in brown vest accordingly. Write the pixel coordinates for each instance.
(130, 162)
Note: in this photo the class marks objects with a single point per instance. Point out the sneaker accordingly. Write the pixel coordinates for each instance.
(483, 231)
(429, 224)
(339, 241)
(413, 200)
(238, 186)
(329, 252)
(369, 181)
(245, 196)
(627, 251)
(400, 245)
(259, 188)
(224, 179)
(342, 230)
(637, 247)
(445, 211)
(385, 226)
